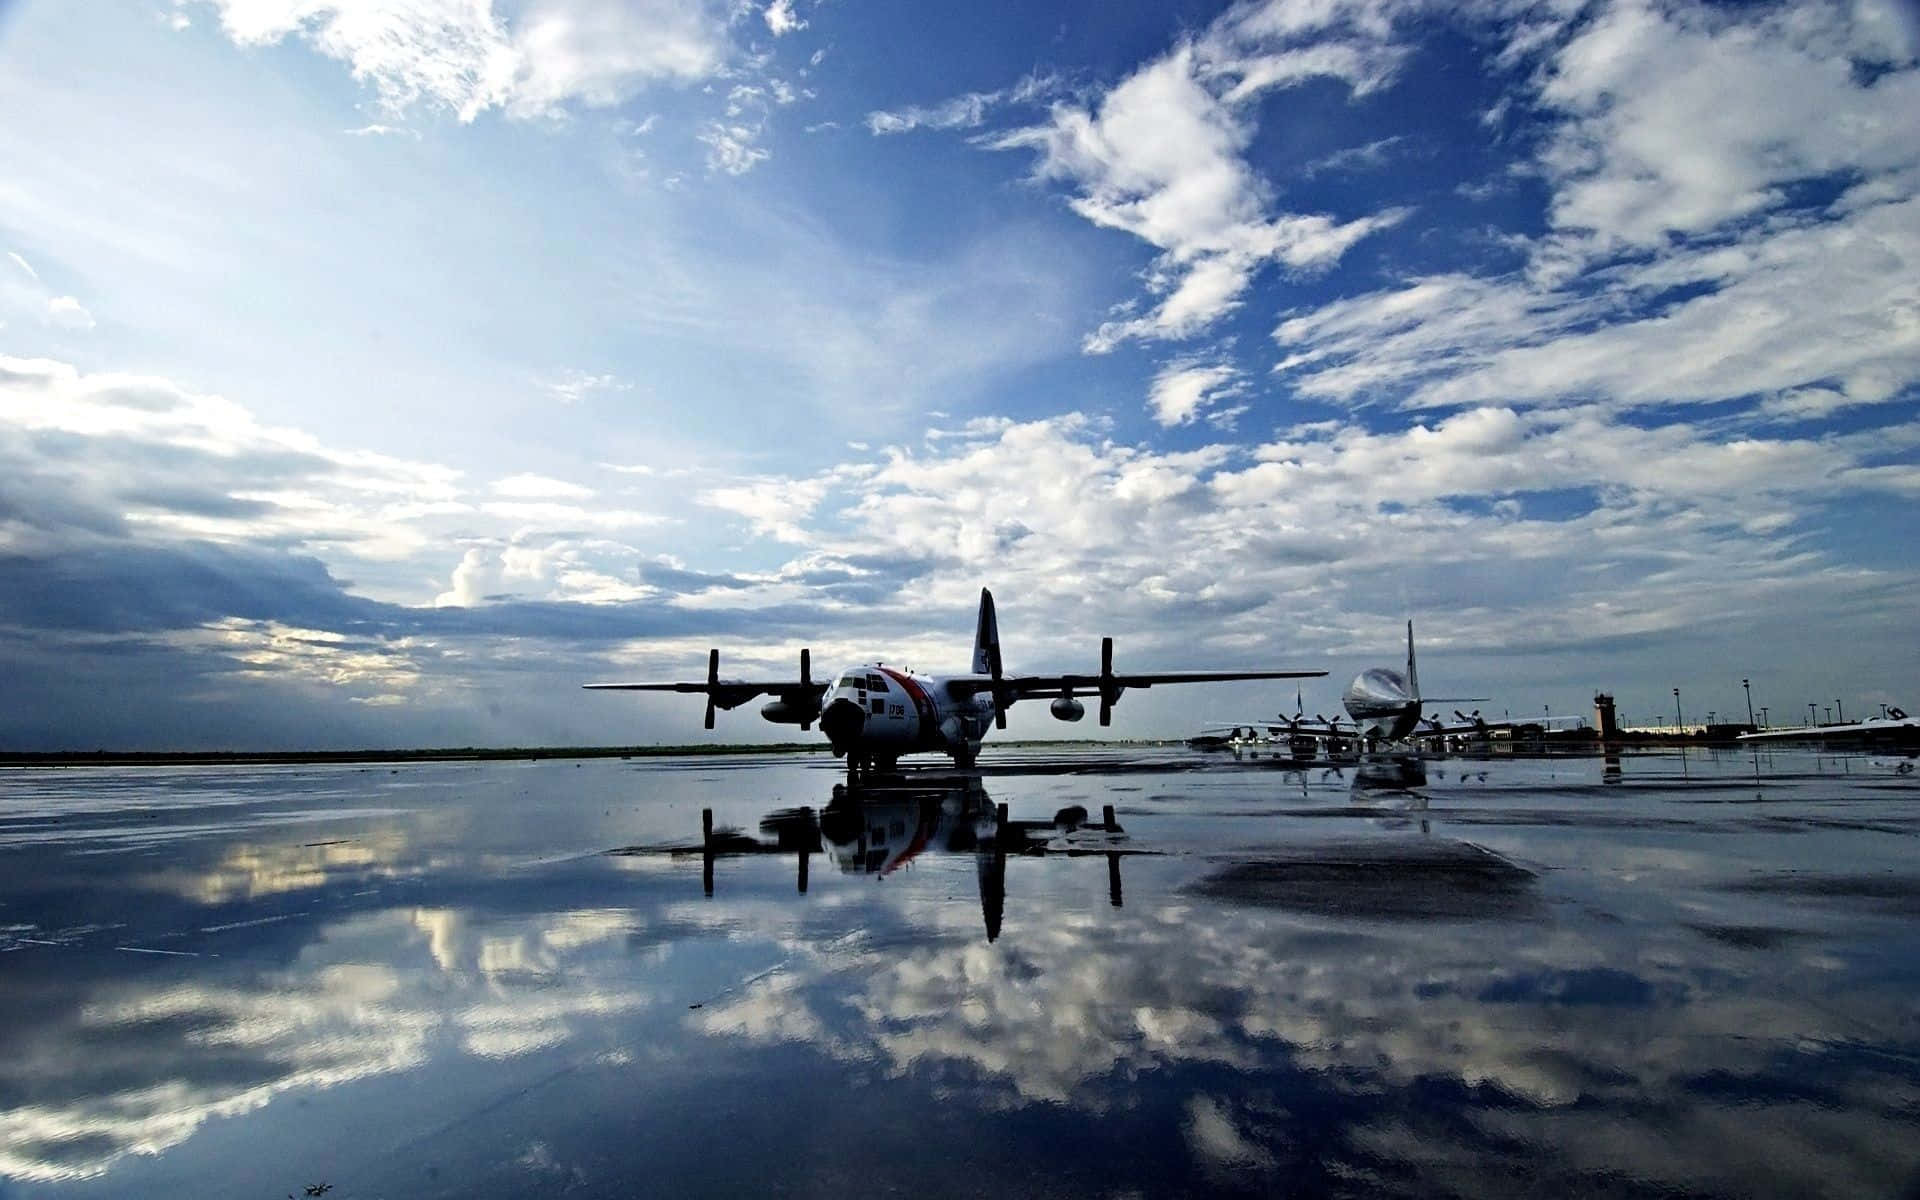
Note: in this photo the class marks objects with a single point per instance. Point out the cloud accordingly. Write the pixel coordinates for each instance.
(1184, 389)
(966, 111)
(1821, 303)
(774, 507)
(1680, 121)
(528, 486)
(1162, 157)
(68, 313)
(781, 19)
(103, 448)
(571, 387)
(464, 57)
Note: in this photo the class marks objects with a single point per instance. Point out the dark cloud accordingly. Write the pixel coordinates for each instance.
(196, 501)
(674, 579)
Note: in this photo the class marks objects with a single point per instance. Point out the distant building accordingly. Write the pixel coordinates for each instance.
(1603, 716)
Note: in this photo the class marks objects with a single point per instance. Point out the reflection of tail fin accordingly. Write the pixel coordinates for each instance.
(1413, 673)
(986, 636)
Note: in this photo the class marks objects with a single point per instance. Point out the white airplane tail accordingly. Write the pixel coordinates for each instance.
(1413, 673)
(986, 638)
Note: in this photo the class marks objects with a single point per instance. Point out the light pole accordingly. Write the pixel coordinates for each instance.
(1829, 713)
(1678, 720)
(1763, 717)
(1748, 689)
(1711, 714)
(1841, 711)
(1813, 717)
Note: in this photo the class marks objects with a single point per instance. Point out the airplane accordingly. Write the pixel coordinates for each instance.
(1895, 727)
(1384, 706)
(872, 714)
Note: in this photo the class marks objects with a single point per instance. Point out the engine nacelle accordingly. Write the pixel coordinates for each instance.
(786, 712)
(1066, 708)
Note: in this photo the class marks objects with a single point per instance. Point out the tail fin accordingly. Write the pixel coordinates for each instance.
(986, 637)
(1413, 673)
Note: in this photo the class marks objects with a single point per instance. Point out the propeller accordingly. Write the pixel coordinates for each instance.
(1109, 690)
(1000, 698)
(713, 682)
(806, 680)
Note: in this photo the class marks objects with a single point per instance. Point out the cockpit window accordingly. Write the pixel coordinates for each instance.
(877, 683)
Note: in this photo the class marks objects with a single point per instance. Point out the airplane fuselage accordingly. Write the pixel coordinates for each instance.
(873, 711)
(1383, 704)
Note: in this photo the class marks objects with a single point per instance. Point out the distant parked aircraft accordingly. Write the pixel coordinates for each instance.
(1896, 727)
(1385, 708)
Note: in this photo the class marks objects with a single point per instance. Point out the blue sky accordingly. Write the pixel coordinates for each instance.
(373, 373)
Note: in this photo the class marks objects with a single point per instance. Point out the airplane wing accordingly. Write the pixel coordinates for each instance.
(1106, 685)
(1030, 686)
(803, 693)
(727, 693)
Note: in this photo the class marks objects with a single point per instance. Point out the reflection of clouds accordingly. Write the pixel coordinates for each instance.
(248, 871)
(1580, 1035)
(1215, 1139)
(192, 1052)
(138, 1071)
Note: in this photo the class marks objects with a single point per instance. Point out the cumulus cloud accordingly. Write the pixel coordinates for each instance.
(781, 19)
(1681, 120)
(467, 58)
(1162, 156)
(1685, 267)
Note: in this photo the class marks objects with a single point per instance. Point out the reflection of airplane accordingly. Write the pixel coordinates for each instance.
(874, 713)
(1896, 728)
(878, 830)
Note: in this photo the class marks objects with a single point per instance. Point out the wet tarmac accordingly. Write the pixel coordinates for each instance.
(1658, 975)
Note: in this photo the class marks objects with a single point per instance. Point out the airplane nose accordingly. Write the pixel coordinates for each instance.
(842, 722)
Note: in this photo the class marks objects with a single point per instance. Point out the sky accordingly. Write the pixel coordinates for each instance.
(374, 373)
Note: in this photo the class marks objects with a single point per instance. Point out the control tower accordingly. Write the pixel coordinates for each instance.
(1603, 718)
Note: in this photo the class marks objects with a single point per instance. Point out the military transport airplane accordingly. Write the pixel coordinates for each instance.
(872, 713)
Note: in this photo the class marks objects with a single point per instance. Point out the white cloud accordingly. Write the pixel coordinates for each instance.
(775, 508)
(781, 19)
(1184, 389)
(69, 313)
(539, 487)
(733, 149)
(463, 56)
(1787, 310)
(173, 462)
(1681, 120)
(966, 111)
(1162, 157)
(570, 387)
